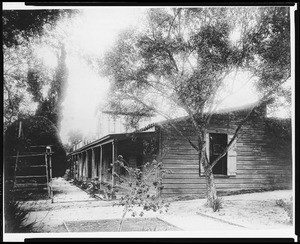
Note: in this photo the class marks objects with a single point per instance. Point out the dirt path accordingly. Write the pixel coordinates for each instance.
(73, 204)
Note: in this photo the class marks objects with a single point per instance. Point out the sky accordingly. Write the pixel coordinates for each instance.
(93, 32)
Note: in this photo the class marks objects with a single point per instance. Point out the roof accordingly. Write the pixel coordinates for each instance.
(235, 110)
(108, 138)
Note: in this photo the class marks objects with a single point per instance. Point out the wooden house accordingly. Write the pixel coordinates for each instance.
(261, 158)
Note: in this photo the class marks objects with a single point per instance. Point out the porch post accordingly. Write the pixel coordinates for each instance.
(100, 165)
(76, 167)
(113, 164)
(86, 164)
(93, 164)
(81, 165)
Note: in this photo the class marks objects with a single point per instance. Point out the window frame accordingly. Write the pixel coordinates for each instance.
(231, 156)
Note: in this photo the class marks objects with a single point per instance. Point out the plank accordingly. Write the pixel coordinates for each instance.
(181, 166)
(230, 180)
(183, 191)
(184, 171)
(34, 166)
(31, 184)
(169, 157)
(181, 161)
(23, 156)
(194, 175)
(30, 176)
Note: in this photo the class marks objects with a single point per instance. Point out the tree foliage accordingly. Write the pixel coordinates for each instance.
(37, 130)
(185, 54)
(26, 77)
(21, 25)
(74, 136)
(178, 61)
(51, 106)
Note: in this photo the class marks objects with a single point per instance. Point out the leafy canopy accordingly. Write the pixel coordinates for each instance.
(180, 57)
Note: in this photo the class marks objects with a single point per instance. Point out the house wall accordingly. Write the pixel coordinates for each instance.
(263, 158)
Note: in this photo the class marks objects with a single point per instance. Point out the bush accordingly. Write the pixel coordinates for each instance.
(37, 131)
(93, 187)
(16, 217)
(68, 175)
(84, 185)
(217, 204)
(108, 191)
(287, 206)
(143, 190)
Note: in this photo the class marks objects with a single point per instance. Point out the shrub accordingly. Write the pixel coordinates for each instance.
(93, 187)
(68, 175)
(77, 182)
(143, 191)
(287, 206)
(84, 185)
(217, 203)
(16, 217)
(108, 191)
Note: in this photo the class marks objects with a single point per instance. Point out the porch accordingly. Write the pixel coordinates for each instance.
(95, 160)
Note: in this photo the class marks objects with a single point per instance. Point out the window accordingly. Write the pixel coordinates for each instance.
(217, 144)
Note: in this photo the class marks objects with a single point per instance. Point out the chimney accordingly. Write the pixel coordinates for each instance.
(262, 109)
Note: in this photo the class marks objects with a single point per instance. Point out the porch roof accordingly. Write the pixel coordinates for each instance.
(109, 138)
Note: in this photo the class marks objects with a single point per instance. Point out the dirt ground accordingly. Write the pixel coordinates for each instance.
(239, 212)
(111, 225)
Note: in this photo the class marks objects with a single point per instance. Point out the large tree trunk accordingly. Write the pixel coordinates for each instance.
(211, 192)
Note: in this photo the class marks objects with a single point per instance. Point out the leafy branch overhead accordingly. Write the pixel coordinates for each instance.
(21, 25)
(183, 55)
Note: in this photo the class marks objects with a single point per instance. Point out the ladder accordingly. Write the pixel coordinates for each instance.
(33, 170)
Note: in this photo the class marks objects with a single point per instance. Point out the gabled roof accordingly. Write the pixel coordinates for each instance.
(223, 112)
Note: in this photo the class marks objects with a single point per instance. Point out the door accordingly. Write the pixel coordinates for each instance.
(217, 143)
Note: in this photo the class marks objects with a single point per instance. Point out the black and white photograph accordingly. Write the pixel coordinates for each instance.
(148, 121)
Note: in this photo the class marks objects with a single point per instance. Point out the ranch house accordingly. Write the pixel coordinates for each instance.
(261, 158)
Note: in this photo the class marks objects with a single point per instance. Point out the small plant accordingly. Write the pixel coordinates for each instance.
(16, 217)
(216, 204)
(143, 192)
(93, 187)
(84, 185)
(287, 206)
(108, 191)
(149, 228)
(68, 175)
(76, 182)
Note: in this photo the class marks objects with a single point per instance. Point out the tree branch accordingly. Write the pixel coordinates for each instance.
(263, 99)
(167, 117)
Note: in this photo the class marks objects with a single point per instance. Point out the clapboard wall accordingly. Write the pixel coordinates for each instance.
(263, 157)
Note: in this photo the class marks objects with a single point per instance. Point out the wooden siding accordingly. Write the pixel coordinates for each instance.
(263, 160)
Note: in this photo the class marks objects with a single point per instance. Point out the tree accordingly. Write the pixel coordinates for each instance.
(51, 106)
(25, 76)
(179, 60)
(19, 26)
(36, 131)
(75, 136)
(16, 98)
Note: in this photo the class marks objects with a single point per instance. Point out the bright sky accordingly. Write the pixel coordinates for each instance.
(94, 33)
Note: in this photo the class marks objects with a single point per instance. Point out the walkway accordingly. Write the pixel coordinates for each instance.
(73, 204)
